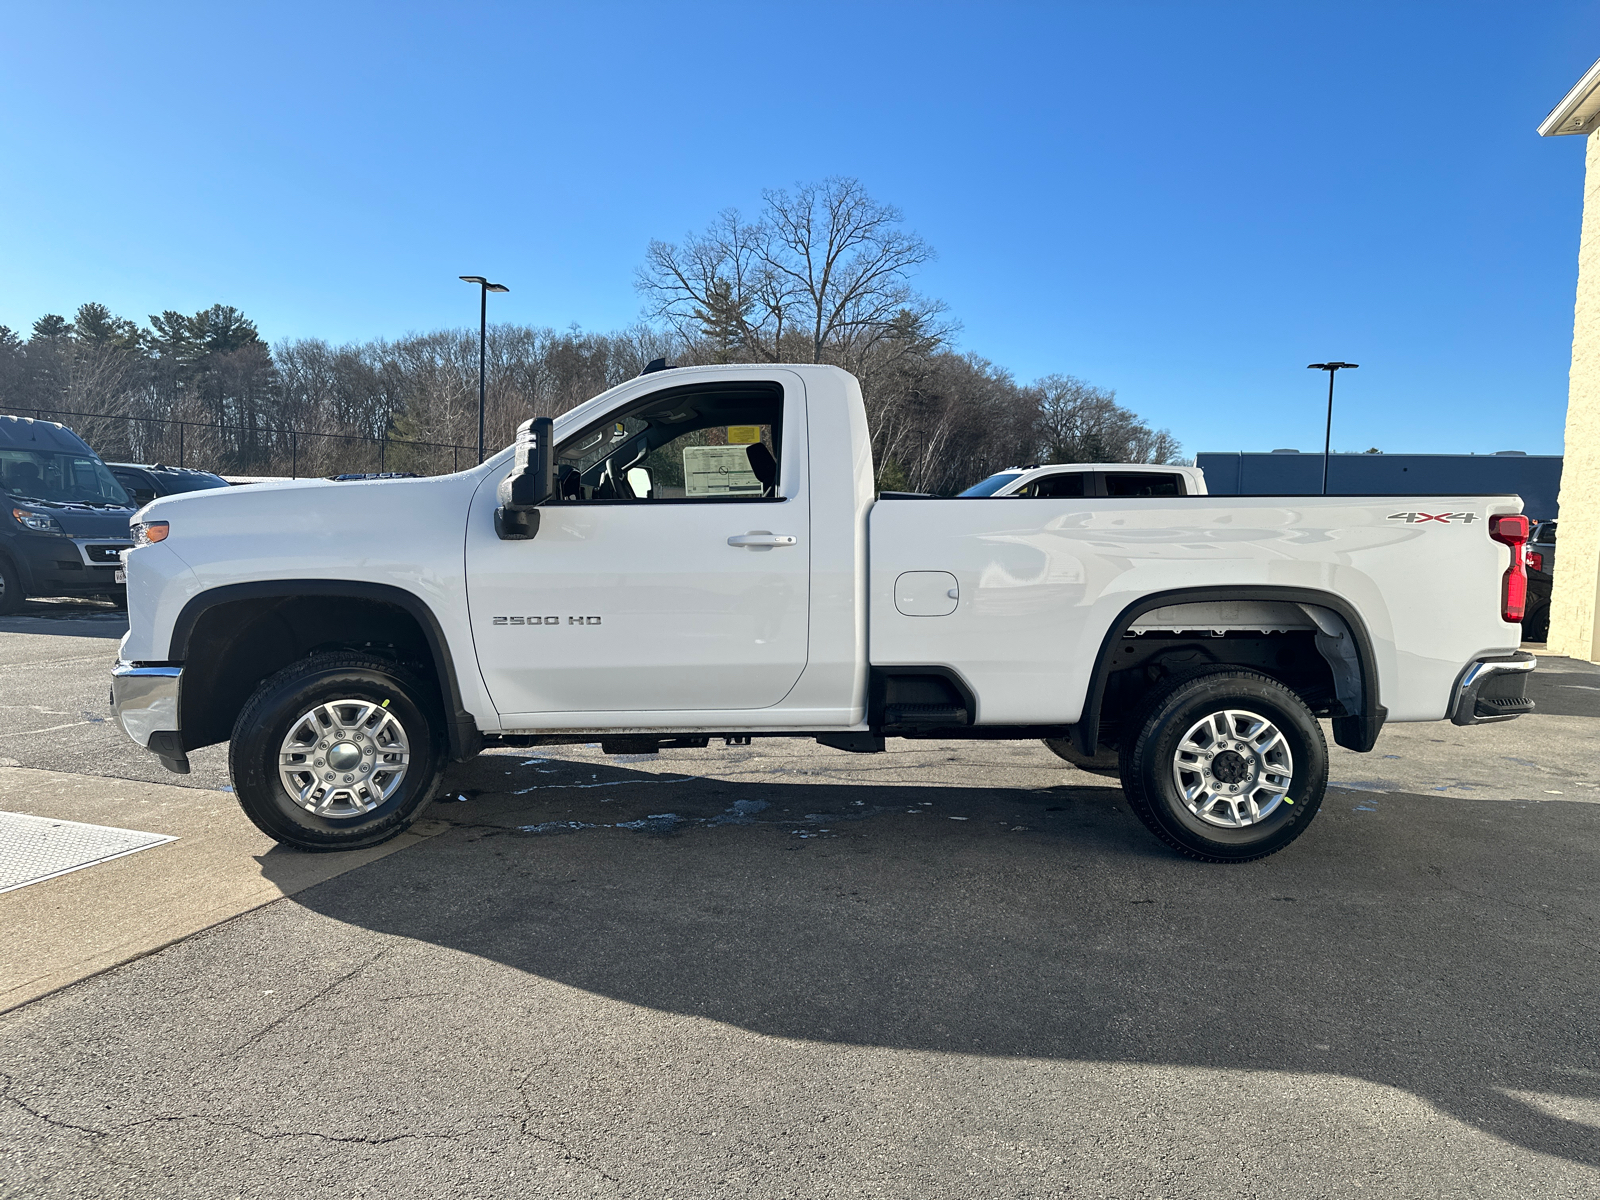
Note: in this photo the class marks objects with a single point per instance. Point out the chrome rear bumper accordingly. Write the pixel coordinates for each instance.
(145, 700)
(1493, 689)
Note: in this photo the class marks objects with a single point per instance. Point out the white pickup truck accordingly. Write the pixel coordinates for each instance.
(699, 553)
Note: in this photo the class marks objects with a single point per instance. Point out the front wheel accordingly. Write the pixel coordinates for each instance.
(1226, 767)
(336, 752)
(11, 596)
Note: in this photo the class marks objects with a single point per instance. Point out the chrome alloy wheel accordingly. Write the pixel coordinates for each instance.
(1233, 768)
(344, 758)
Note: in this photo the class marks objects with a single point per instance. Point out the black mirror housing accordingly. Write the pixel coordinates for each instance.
(530, 483)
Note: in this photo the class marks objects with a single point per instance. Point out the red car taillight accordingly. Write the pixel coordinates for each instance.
(1512, 531)
(1535, 560)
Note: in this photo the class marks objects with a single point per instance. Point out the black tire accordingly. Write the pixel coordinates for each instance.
(1151, 771)
(11, 593)
(284, 699)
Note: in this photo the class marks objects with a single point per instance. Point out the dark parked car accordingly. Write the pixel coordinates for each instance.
(1540, 556)
(64, 523)
(146, 482)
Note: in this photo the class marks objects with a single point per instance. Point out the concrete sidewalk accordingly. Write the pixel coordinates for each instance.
(65, 929)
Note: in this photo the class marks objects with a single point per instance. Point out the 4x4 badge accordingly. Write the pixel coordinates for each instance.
(1418, 518)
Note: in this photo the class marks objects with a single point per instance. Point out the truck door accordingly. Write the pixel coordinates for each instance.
(672, 575)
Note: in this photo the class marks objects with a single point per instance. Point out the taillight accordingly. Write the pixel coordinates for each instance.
(1535, 560)
(1512, 531)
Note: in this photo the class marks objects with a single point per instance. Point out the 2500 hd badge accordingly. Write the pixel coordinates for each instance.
(545, 620)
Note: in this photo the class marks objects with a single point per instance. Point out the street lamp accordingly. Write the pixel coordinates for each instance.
(483, 341)
(1332, 368)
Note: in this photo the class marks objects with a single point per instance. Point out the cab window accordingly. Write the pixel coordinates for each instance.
(1053, 487)
(1143, 483)
(137, 484)
(713, 443)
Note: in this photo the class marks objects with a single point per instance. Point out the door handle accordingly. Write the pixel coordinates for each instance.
(760, 538)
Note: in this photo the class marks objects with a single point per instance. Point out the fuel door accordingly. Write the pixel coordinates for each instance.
(926, 593)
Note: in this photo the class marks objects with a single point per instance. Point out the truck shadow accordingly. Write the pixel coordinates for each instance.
(1445, 947)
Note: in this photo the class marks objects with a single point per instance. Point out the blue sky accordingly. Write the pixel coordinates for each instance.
(1184, 202)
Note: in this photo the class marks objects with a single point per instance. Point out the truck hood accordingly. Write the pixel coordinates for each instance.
(80, 520)
(261, 512)
(404, 532)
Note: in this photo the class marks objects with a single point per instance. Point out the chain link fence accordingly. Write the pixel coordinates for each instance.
(227, 449)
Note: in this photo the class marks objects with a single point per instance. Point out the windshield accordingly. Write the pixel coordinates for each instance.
(60, 477)
(991, 485)
(198, 481)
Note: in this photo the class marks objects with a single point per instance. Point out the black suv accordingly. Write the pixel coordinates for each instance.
(64, 520)
(1540, 557)
(145, 482)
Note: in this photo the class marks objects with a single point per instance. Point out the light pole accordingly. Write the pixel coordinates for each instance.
(1332, 368)
(483, 341)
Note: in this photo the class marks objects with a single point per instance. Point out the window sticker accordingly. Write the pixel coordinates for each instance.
(719, 471)
(743, 435)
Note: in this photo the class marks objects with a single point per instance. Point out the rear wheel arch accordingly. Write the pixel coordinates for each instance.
(1356, 730)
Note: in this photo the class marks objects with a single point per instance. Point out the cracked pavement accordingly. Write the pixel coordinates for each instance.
(956, 969)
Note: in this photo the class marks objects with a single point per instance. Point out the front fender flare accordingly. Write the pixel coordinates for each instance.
(462, 729)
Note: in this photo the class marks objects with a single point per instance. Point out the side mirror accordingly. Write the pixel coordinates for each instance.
(640, 483)
(529, 484)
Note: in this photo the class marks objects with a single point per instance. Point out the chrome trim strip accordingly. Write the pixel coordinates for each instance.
(83, 544)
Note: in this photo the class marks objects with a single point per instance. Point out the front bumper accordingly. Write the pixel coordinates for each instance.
(58, 566)
(1493, 689)
(145, 700)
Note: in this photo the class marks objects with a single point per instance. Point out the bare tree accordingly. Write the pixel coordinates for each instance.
(1079, 422)
(824, 275)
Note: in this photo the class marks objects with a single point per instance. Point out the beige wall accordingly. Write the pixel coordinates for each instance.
(1575, 605)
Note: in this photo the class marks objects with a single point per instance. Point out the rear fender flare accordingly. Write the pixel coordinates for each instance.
(1357, 732)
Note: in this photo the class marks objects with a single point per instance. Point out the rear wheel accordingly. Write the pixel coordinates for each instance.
(1536, 628)
(11, 596)
(1227, 766)
(337, 752)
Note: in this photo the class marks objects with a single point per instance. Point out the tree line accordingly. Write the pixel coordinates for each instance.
(822, 274)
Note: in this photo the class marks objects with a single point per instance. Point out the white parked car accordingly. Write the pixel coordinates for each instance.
(1065, 480)
(609, 579)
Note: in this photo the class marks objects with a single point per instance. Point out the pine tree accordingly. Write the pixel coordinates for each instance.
(723, 321)
(95, 325)
(52, 329)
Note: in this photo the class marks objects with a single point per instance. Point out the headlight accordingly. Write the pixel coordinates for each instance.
(147, 533)
(38, 522)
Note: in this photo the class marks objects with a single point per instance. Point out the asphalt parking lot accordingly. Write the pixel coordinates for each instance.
(954, 969)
